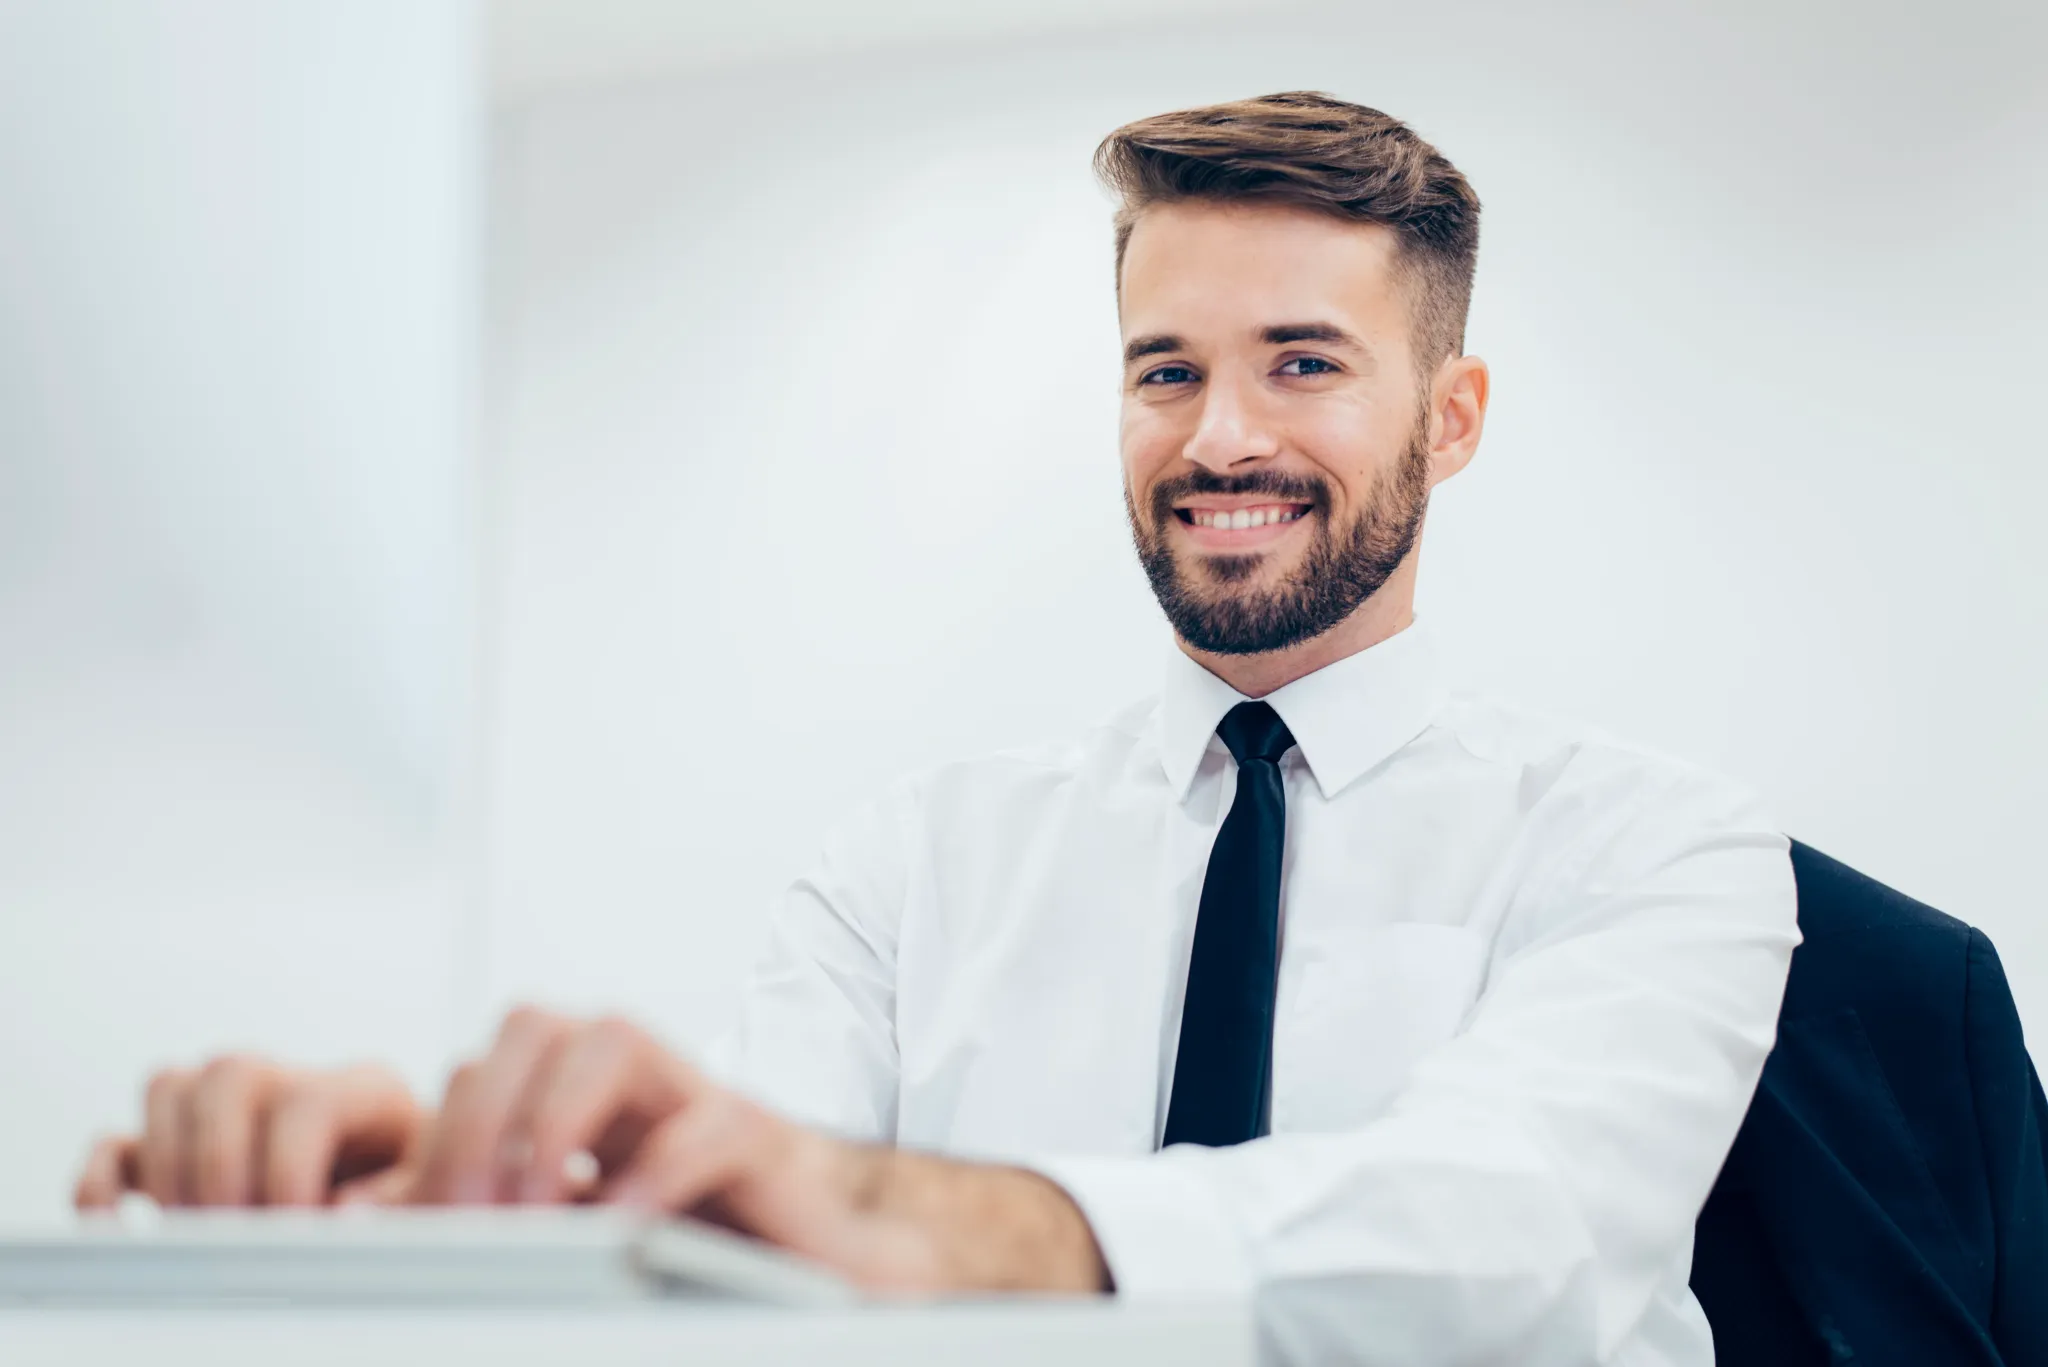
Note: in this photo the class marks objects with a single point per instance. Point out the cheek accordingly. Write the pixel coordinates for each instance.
(1149, 444)
(1354, 450)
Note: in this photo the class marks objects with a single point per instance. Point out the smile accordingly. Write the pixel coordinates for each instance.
(1242, 519)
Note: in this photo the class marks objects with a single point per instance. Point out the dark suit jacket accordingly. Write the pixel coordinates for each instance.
(1886, 1200)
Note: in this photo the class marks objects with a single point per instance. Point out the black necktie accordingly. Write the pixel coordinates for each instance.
(1223, 1070)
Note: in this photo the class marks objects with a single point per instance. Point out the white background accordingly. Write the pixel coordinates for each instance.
(795, 468)
(803, 453)
(237, 320)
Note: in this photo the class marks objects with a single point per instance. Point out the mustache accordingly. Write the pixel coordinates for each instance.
(1274, 484)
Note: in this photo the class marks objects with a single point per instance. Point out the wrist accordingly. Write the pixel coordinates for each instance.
(985, 1227)
(1065, 1256)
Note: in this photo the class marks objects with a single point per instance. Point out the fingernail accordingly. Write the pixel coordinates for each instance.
(630, 1194)
(533, 1189)
(580, 1170)
(471, 1189)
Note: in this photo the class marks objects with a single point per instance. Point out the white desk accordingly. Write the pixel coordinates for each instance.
(1010, 1333)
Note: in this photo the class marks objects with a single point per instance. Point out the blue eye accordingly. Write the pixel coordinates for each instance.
(1167, 374)
(1320, 366)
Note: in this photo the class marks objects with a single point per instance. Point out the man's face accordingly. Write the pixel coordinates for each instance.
(1274, 437)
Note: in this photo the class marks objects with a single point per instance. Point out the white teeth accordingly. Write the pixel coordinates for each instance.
(1241, 519)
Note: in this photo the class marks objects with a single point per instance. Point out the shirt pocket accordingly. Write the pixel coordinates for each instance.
(1368, 1005)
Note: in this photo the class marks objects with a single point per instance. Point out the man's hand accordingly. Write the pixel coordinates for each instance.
(246, 1132)
(667, 1138)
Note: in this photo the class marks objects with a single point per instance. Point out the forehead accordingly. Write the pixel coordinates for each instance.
(1196, 266)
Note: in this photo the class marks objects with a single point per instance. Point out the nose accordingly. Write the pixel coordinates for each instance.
(1230, 430)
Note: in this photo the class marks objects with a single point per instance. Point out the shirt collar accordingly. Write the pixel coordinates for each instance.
(1346, 717)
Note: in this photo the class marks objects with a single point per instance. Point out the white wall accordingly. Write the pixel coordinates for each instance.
(540, 47)
(237, 333)
(802, 470)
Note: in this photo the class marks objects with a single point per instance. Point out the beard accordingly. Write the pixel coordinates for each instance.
(1209, 599)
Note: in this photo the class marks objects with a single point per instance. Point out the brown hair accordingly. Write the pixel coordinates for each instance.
(1321, 153)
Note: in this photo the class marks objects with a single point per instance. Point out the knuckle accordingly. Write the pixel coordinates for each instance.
(711, 1115)
(227, 1073)
(299, 1090)
(368, 1077)
(616, 1032)
(523, 1020)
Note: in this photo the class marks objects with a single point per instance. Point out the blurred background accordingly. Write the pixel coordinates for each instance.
(483, 484)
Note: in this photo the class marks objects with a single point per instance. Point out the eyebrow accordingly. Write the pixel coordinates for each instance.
(1282, 333)
(1279, 334)
(1151, 346)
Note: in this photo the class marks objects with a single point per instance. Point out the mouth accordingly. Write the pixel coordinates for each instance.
(1225, 525)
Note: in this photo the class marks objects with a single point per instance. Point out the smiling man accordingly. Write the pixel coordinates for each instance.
(1423, 1022)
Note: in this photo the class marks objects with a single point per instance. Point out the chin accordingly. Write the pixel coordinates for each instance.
(1228, 575)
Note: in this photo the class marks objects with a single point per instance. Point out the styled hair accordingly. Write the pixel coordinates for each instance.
(1322, 153)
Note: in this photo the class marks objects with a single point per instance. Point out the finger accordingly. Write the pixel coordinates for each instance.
(461, 1162)
(610, 1076)
(511, 1156)
(731, 1161)
(391, 1187)
(691, 1157)
(163, 1137)
(326, 1127)
(110, 1172)
(455, 1097)
(224, 1107)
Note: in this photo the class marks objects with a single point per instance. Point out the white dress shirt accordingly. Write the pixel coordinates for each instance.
(1528, 978)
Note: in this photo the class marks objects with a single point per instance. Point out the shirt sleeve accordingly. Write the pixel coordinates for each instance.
(1536, 1180)
(816, 1036)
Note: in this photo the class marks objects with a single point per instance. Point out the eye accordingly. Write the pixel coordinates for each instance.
(1310, 365)
(1168, 374)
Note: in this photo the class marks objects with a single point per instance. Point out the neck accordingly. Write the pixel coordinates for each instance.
(1388, 612)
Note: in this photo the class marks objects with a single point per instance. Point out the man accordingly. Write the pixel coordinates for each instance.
(1444, 1015)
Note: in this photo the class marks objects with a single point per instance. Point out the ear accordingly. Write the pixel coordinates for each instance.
(1457, 414)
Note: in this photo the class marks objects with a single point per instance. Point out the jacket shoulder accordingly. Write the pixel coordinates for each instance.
(1871, 947)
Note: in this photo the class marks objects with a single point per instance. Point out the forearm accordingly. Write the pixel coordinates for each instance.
(989, 1228)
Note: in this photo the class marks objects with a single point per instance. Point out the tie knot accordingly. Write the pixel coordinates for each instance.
(1253, 730)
